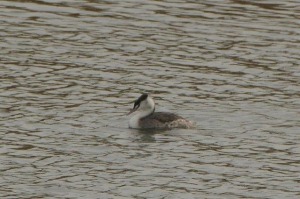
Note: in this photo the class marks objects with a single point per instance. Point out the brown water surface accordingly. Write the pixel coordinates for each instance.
(70, 70)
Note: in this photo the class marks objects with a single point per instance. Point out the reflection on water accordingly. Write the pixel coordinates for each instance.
(70, 71)
(145, 137)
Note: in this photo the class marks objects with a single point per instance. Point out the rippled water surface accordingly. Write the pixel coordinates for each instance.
(70, 70)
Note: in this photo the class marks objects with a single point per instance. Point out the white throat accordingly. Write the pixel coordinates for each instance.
(147, 107)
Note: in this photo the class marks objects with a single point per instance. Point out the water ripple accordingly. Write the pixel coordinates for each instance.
(71, 70)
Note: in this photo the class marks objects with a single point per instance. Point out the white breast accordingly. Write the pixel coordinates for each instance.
(134, 122)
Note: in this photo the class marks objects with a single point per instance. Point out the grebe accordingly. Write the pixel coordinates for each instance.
(146, 118)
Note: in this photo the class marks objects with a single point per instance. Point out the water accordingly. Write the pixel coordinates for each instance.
(70, 70)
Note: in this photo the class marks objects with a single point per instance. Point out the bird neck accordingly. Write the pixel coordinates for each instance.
(144, 113)
(134, 122)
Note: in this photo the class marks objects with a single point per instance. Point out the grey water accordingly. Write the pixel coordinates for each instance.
(70, 70)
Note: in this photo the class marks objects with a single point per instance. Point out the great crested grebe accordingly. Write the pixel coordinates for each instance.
(146, 118)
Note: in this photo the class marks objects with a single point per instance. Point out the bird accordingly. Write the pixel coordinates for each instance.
(145, 116)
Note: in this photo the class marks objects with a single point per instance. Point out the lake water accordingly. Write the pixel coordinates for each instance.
(70, 71)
